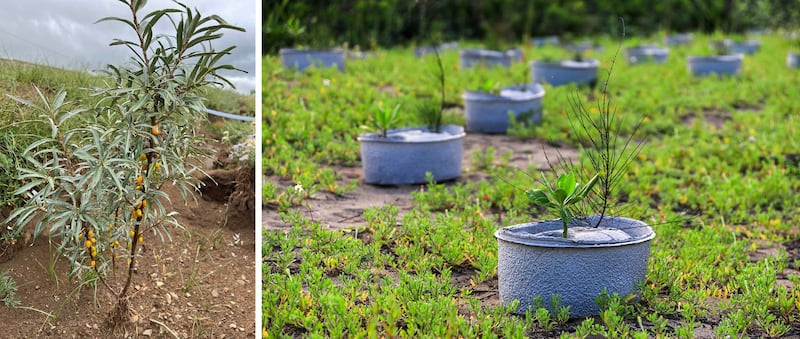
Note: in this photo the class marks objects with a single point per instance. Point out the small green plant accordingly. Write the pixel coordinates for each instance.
(489, 86)
(427, 110)
(609, 152)
(567, 193)
(721, 47)
(8, 290)
(384, 120)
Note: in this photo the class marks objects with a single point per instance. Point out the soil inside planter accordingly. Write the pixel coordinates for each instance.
(585, 235)
(581, 232)
(416, 134)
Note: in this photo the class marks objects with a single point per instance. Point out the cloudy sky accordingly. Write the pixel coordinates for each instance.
(62, 33)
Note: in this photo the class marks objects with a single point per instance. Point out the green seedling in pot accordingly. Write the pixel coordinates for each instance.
(384, 120)
(568, 192)
(721, 47)
(489, 86)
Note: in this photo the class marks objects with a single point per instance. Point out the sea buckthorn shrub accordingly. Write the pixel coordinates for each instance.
(98, 186)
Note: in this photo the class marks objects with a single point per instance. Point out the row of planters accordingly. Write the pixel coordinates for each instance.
(726, 58)
(610, 251)
(584, 243)
(532, 256)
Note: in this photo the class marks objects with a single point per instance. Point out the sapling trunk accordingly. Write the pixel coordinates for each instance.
(609, 153)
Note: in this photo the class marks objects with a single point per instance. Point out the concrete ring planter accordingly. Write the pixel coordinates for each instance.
(679, 39)
(489, 113)
(545, 40)
(793, 60)
(565, 72)
(645, 53)
(585, 46)
(718, 64)
(470, 57)
(406, 154)
(424, 50)
(745, 47)
(302, 59)
(533, 260)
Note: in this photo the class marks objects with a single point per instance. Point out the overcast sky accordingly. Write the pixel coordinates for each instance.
(63, 33)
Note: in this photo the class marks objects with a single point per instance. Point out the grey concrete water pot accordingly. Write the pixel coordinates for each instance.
(565, 72)
(679, 39)
(406, 154)
(301, 59)
(534, 260)
(545, 40)
(424, 50)
(793, 60)
(745, 47)
(716, 64)
(489, 113)
(645, 53)
(472, 57)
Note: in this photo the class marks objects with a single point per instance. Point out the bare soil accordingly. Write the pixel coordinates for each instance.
(335, 211)
(199, 285)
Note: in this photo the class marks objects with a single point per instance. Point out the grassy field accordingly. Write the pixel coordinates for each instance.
(717, 180)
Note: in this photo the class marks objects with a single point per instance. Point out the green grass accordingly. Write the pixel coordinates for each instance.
(714, 196)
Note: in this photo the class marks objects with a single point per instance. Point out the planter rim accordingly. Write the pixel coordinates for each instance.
(394, 136)
(536, 89)
(488, 53)
(648, 50)
(284, 51)
(717, 58)
(586, 64)
(516, 234)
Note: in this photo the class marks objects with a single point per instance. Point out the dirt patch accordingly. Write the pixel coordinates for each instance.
(342, 211)
(713, 117)
(200, 284)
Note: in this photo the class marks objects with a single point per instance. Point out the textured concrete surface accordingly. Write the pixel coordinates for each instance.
(302, 59)
(406, 154)
(746, 47)
(530, 266)
(566, 72)
(647, 53)
(708, 65)
(679, 39)
(488, 113)
(477, 57)
(793, 60)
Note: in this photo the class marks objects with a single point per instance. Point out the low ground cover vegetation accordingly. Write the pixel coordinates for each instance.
(716, 179)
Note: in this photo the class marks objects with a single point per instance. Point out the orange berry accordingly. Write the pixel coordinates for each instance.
(139, 180)
(138, 213)
(93, 263)
(154, 130)
(141, 239)
(91, 233)
(88, 243)
(133, 234)
(94, 240)
(158, 165)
